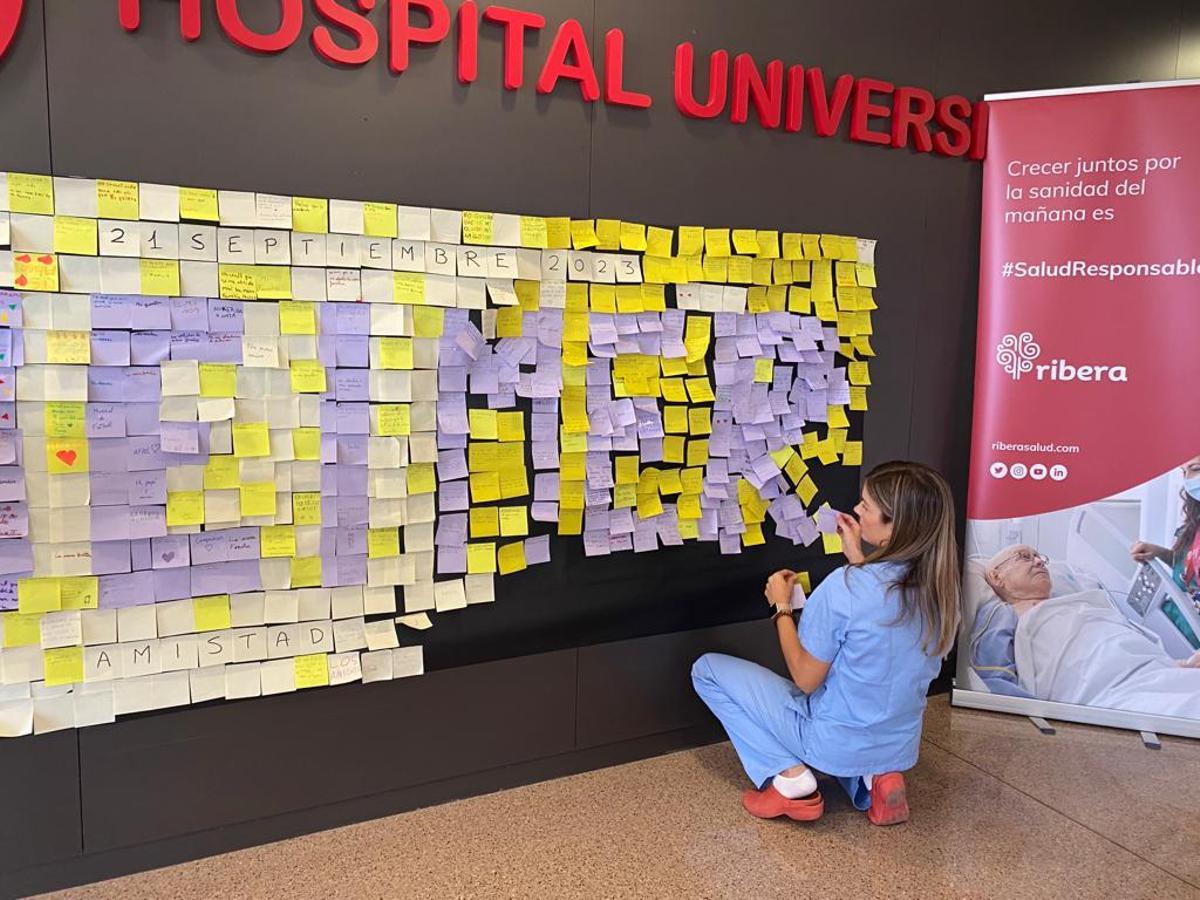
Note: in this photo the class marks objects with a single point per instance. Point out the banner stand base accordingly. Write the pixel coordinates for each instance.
(1043, 726)
(1069, 712)
(1150, 739)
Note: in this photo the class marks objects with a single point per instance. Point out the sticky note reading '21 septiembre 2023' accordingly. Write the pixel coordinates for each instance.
(233, 424)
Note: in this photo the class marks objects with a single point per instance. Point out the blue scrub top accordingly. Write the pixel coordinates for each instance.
(866, 717)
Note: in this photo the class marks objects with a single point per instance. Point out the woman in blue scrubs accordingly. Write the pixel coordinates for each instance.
(1183, 556)
(870, 640)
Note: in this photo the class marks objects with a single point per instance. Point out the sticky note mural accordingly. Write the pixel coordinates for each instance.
(243, 436)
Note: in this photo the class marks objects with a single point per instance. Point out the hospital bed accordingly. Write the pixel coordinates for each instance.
(1098, 557)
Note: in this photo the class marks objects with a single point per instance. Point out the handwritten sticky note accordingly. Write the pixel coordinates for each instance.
(35, 272)
(510, 426)
(408, 287)
(379, 220)
(383, 542)
(218, 379)
(198, 204)
(257, 498)
(21, 629)
(31, 193)
(310, 214)
(63, 665)
(853, 454)
(159, 277)
(311, 670)
(70, 347)
(38, 595)
(477, 227)
(185, 508)
(764, 370)
(514, 521)
(75, 236)
(481, 558)
(306, 507)
(484, 424)
(277, 541)
(428, 321)
(211, 613)
(306, 443)
(422, 478)
(117, 199)
(80, 592)
(237, 282)
(64, 419)
(273, 282)
(251, 439)
(66, 455)
(583, 234)
(392, 419)
(395, 353)
(534, 232)
(221, 473)
(484, 521)
(308, 376)
(297, 318)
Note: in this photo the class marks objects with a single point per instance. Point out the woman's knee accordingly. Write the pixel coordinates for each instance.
(706, 669)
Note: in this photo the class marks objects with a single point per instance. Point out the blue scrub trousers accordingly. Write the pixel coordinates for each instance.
(762, 714)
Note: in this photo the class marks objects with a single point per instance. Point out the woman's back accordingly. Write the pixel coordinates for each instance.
(866, 717)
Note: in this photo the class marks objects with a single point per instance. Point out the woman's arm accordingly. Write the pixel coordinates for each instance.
(808, 673)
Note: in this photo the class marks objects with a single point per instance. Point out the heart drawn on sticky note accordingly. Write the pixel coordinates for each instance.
(168, 556)
(45, 260)
(67, 457)
(24, 258)
(21, 281)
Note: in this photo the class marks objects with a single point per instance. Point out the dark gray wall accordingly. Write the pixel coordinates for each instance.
(78, 96)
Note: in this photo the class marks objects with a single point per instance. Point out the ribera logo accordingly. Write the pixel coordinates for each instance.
(10, 18)
(1017, 355)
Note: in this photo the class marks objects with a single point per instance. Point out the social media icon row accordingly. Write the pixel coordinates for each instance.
(1020, 471)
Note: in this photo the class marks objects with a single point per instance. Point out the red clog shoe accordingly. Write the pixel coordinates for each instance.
(889, 802)
(770, 804)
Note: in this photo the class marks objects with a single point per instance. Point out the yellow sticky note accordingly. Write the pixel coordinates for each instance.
(22, 630)
(514, 521)
(422, 478)
(484, 521)
(218, 379)
(237, 282)
(764, 370)
(310, 214)
(691, 240)
(675, 419)
(481, 558)
(117, 199)
(753, 535)
(716, 242)
(392, 419)
(311, 670)
(383, 542)
(198, 204)
(251, 439)
(429, 321)
(697, 452)
(510, 426)
(633, 236)
(221, 473)
(484, 424)
(66, 455)
(395, 353)
(306, 507)
(860, 373)
(273, 282)
(534, 233)
(583, 234)
(30, 193)
(485, 487)
(71, 347)
(408, 287)
(558, 233)
(211, 613)
(306, 443)
(700, 420)
(806, 490)
(75, 236)
(185, 508)
(160, 277)
(306, 571)
(35, 272)
(477, 227)
(80, 592)
(257, 498)
(297, 318)
(832, 542)
(379, 220)
(512, 558)
(65, 419)
(308, 376)
(38, 595)
(63, 665)
(659, 241)
(277, 540)
(852, 455)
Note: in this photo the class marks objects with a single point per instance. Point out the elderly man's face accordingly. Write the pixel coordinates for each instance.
(1019, 573)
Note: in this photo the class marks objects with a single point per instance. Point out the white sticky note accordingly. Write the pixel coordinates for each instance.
(408, 661)
(243, 680)
(376, 666)
(237, 209)
(159, 202)
(381, 634)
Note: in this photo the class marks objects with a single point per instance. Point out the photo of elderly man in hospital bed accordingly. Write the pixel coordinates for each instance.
(1067, 639)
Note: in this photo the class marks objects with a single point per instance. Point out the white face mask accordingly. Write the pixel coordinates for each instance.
(1192, 486)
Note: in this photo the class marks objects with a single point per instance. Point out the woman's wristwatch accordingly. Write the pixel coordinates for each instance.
(783, 611)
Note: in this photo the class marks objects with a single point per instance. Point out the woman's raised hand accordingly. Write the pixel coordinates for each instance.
(851, 534)
(1144, 551)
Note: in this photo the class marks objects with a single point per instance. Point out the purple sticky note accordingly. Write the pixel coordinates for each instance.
(149, 348)
(12, 483)
(150, 313)
(189, 314)
(145, 454)
(208, 547)
(111, 522)
(243, 543)
(223, 578)
(112, 311)
(225, 316)
(134, 589)
(537, 550)
(110, 348)
(180, 437)
(170, 551)
(140, 384)
(14, 520)
(173, 584)
(452, 560)
(147, 522)
(110, 557)
(105, 420)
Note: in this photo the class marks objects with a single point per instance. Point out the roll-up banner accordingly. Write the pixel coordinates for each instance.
(1081, 595)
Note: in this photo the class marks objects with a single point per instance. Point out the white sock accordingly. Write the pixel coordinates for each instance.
(868, 779)
(795, 786)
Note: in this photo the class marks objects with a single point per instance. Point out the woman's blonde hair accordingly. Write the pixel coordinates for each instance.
(917, 502)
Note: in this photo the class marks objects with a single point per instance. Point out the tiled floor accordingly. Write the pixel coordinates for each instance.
(999, 810)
